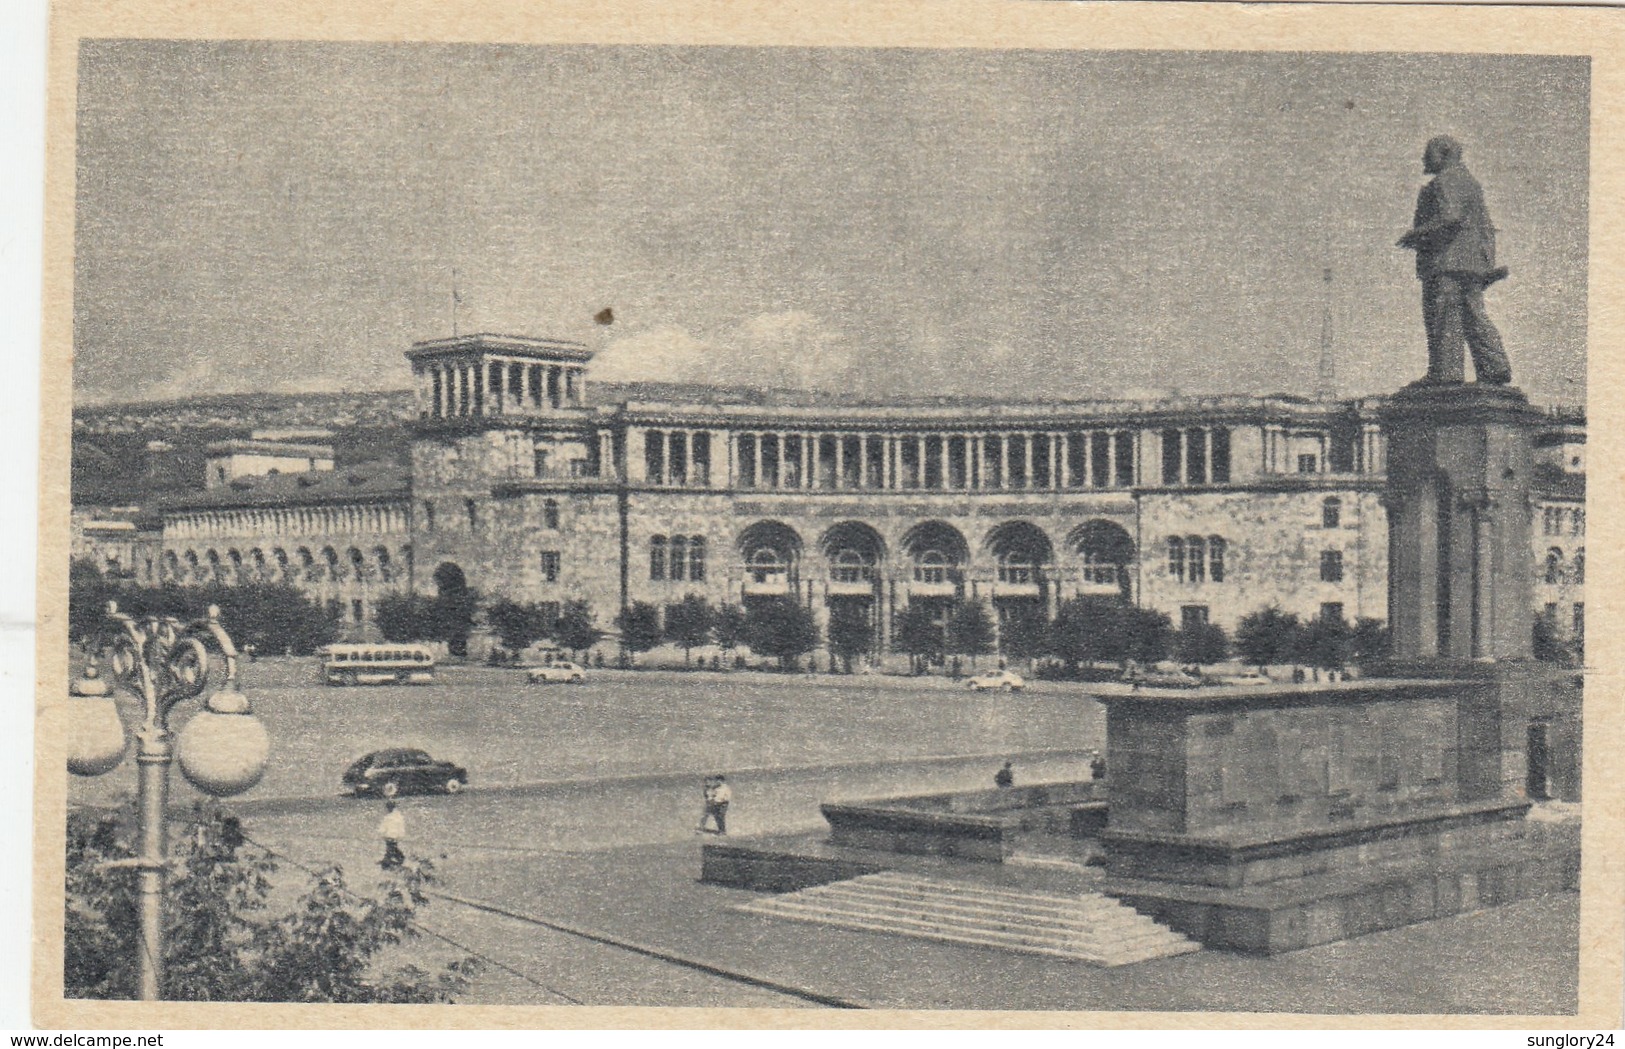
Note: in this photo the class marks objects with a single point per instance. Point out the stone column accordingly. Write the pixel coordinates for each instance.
(1027, 458)
(840, 460)
(1460, 564)
(1063, 474)
(756, 460)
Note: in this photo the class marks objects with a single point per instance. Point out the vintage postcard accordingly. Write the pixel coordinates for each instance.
(964, 514)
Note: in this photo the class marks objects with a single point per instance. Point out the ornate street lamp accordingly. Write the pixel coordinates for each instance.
(222, 750)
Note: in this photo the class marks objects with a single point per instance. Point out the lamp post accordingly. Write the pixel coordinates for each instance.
(222, 750)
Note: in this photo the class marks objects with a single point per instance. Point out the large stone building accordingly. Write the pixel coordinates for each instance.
(1207, 508)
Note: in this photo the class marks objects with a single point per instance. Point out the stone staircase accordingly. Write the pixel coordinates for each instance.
(1088, 927)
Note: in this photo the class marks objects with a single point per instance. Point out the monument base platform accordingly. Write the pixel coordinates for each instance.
(1293, 913)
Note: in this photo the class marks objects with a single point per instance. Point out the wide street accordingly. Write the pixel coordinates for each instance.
(581, 812)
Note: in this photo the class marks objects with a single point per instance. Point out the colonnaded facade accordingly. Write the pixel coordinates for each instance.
(1207, 508)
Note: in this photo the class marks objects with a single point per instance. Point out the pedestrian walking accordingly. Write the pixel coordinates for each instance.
(392, 828)
(717, 796)
(1005, 777)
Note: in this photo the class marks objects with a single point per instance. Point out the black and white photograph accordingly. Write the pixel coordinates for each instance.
(806, 523)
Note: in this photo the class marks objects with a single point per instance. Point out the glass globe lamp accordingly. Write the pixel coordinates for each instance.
(223, 749)
(96, 737)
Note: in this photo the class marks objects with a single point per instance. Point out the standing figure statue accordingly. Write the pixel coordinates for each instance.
(1455, 260)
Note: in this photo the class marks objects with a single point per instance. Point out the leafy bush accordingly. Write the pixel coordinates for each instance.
(1269, 636)
(221, 943)
(640, 628)
(782, 628)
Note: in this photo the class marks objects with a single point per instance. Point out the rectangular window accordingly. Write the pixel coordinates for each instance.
(678, 559)
(1100, 458)
(1215, 558)
(1195, 457)
(1192, 616)
(1221, 457)
(657, 557)
(1580, 620)
(1331, 611)
(1331, 513)
(1125, 459)
(1176, 558)
(550, 566)
(696, 559)
(355, 610)
(1577, 523)
(1170, 457)
(1307, 464)
(654, 457)
(1196, 558)
(550, 514)
(1331, 566)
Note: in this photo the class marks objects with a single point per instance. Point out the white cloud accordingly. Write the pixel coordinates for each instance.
(790, 348)
(664, 354)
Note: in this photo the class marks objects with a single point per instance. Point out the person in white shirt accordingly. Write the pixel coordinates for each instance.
(717, 796)
(392, 828)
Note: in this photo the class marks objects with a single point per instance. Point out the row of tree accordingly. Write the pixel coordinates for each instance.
(276, 617)
(271, 617)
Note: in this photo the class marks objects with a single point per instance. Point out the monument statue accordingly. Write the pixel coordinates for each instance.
(1455, 260)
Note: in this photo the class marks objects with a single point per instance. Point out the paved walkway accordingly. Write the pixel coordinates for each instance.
(619, 859)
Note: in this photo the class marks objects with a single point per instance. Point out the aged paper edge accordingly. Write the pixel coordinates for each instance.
(991, 24)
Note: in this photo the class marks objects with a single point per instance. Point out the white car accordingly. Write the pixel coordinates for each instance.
(1003, 680)
(552, 672)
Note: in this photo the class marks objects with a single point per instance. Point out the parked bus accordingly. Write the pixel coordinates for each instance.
(383, 664)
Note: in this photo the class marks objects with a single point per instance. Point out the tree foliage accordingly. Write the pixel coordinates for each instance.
(1326, 641)
(918, 632)
(970, 630)
(1024, 633)
(519, 624)
(1090, 629)
(729, 626)
(689, 623)
(1370, 640)
(404, 617)
(272, 617)
(781, 627)
(850, 632)
(1202, 643)
(221, 940)
(1269, 636)
(640, 628)
(577, 628)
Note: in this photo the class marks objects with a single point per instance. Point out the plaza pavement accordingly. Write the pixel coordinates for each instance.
(618, 858)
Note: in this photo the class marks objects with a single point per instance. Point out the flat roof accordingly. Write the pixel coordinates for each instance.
(509, 345)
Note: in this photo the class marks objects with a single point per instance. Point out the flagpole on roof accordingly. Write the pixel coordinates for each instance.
(455, 299)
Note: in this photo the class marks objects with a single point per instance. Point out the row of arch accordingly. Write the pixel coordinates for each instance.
(937, 553)
(303, 520)
(279, 565)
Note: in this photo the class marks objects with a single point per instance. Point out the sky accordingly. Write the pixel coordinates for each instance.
(1030, 224)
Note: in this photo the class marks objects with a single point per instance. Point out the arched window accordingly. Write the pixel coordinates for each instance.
(473, 515)
(1176, 558)
(358, 564)
(931, 567)
(1215, 558)
(696, 558)
(1331, 512)
(550, 514)
(330, 558)
(678, 561)
(1017, 567)
(428, 516)
(1195, 559)
(657, 557)
(766, 565)
(849, 566)
(1554, 566)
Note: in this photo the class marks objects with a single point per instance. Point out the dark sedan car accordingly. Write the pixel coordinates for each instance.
(403, 771)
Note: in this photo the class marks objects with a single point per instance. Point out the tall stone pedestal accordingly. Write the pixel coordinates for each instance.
(1272, 819)
(1460, 465)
